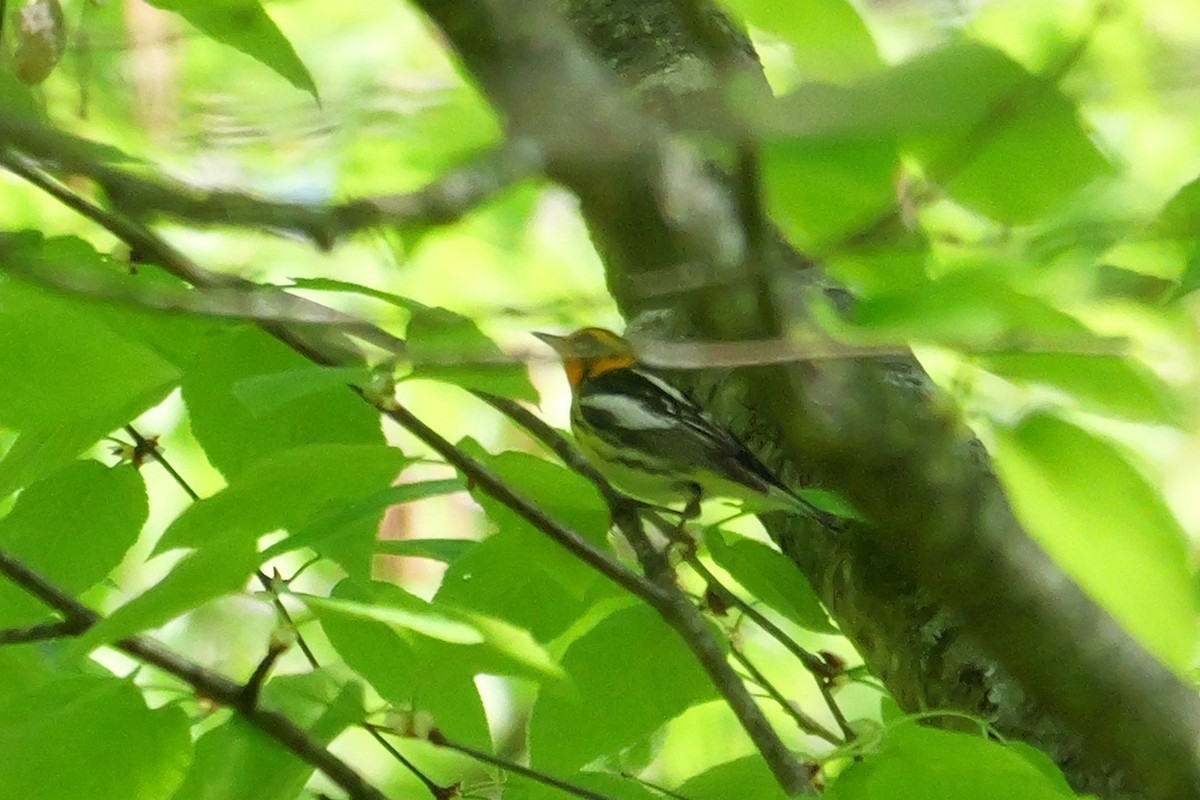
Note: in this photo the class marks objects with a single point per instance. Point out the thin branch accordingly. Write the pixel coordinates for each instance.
(813, 664)
(145, 445)
(489, 482)
(253, 685)
(654, 787)
(40, 633)
(205, 682)
(514, 767)
(252, 689)
(803, 721)
(437, 790)
(249, 301)
(681, 614)
(441, 202)
(332, 345)
(697, 354)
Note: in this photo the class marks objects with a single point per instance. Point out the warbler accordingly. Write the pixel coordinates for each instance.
(652, 441)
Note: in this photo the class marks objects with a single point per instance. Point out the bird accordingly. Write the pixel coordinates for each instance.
(655, 443)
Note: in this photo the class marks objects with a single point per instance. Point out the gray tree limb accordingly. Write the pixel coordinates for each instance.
(152, 197)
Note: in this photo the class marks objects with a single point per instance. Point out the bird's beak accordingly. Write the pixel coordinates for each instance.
(557, 342)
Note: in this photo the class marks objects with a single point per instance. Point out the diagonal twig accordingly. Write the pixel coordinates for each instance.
(155, 452)
(212, 685)
(42, 632)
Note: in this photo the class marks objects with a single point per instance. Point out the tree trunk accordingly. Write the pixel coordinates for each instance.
(944, 567)
(916, 644)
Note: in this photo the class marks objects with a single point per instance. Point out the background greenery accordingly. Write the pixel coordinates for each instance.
(1005, 186)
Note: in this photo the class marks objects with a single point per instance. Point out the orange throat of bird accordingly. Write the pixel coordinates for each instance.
(580, 369)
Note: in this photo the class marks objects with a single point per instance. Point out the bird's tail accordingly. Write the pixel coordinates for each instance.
(826, 519)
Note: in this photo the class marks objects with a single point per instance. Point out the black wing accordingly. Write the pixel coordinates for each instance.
(632, 408)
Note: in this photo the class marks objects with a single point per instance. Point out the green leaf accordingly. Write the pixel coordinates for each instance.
(53, 351)
(39, 451)
(445, 550)
(449, 347)
(232, 435)
(263, 394)
(512, 650)
(1180, 217)
(630, 674)
(236, 761)
(291, 489)
(73, 527)
(90, 737)
(531, 582)
(404, 612)
(24, 668)
(770, 577)
(410, 671)
(829, 40)
(501, 648)
(1110, 281)
(1109, 384)
(244, 25)
(1107, 526)
(1043, 764)
(335, 285)
(825, 189)
(996, 138)
(321, 701)
(1179, 225)
(348, 516)
(1189, 281)
(746, 777)
(1002, 141)
(16, 98)
(219, 568)
(832, 502)
(970, 309)
(562, 493)
(918, 763)
(173, 337)
(285, 490)
(518, 573)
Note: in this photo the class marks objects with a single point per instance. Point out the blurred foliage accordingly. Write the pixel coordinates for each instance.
(1010, 187)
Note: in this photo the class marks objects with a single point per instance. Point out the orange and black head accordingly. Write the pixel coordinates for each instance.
(589, 352)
